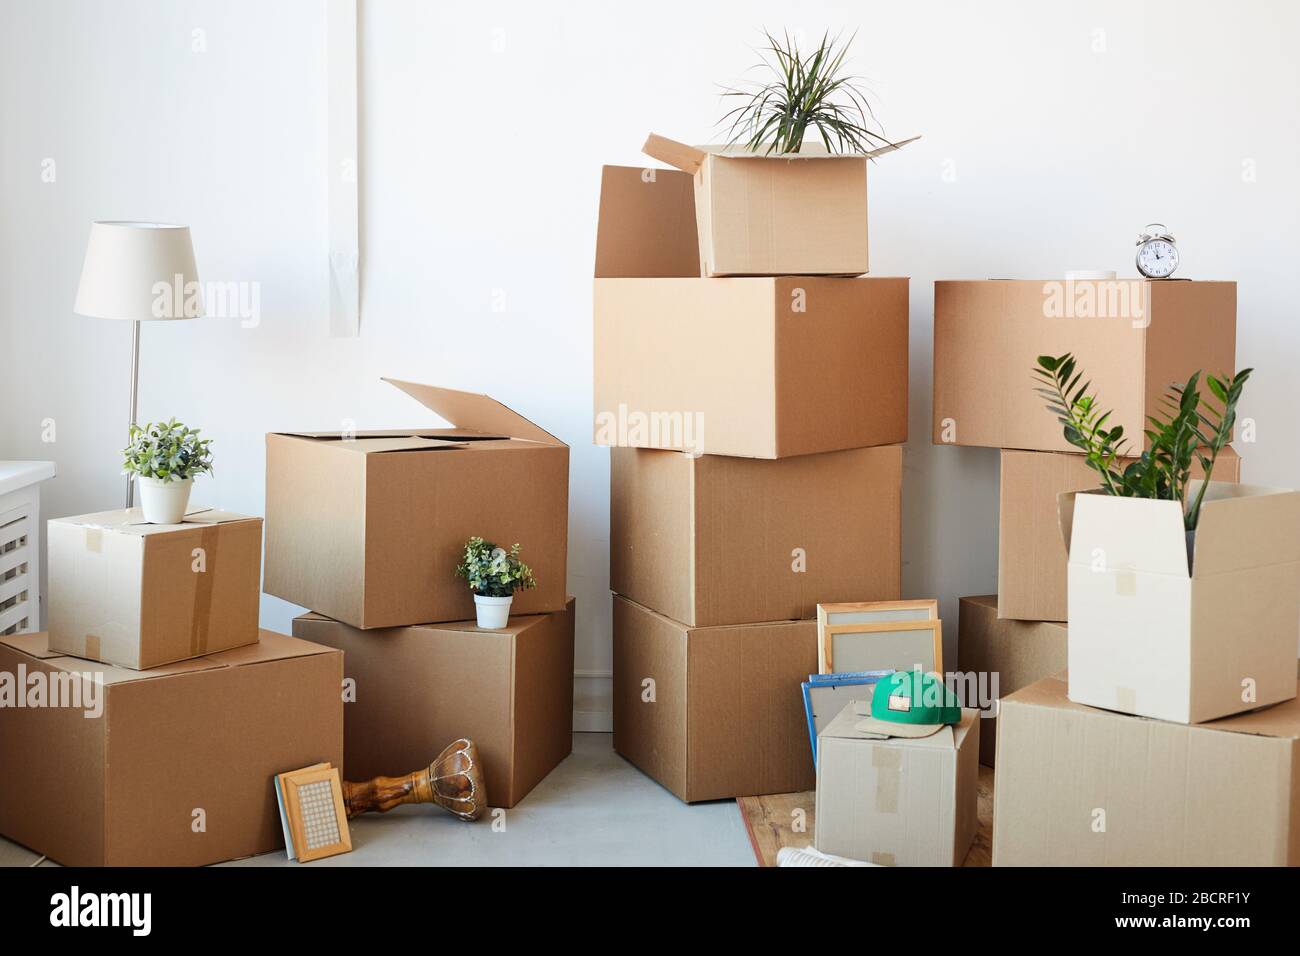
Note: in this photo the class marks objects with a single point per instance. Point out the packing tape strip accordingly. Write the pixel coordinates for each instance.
(1126, 583)
(92, 647)
(94, 540)
(1126, 700)
(888, 763)
(880, 858)
(201, 618)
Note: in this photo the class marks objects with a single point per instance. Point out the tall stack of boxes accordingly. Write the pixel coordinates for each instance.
(145, 727)
(1150, 716)
(753, 390)
(366, 529)
(1133, 339)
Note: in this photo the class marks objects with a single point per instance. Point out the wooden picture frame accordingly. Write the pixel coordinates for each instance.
(907, 634)
(316, 823)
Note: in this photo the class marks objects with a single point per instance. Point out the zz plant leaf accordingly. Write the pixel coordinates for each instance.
(1192, 429)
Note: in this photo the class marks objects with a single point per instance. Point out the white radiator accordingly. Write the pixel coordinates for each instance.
(20, 545)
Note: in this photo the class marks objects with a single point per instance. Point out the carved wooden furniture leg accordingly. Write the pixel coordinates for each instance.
(453, 781)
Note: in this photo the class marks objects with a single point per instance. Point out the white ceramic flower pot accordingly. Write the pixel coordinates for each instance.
(493, 612)
(164, 502)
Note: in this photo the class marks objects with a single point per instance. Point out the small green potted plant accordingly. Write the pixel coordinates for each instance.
(494, 575)
(165, 458)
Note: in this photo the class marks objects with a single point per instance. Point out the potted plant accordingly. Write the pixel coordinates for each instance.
(803, 94)
(165, 457)
(1194, 429)
(494, 574)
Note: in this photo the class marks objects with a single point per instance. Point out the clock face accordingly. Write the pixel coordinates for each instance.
(1157, 259)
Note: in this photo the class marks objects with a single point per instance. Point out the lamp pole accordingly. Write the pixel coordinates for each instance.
(135, 397)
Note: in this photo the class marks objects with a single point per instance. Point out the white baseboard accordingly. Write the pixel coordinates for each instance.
(592, 695)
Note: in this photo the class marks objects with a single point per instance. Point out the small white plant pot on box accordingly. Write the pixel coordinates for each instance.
(164, 502)
(493, 612)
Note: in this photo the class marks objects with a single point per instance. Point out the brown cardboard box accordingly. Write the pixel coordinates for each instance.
(811, 529)
(799, 213)
(419, 688)
(1151, 636)
(713, 712)
(753, 367)
(368, 528)
(175, 770)
(1017, 652)
(1031, 553)
(141, 595)
(1078, 786)
(1133, 339)
(897, 802)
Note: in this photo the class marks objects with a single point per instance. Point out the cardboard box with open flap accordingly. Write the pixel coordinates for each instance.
(368, 527)
(761, 367)
(1077, 786)
(896, 801)
(713, 712)
(813, 528)
(127, 592)
(764, 214)
(1133, 340)
(1151, 636)
(1031, 556)
(510, 691)
(166, 767)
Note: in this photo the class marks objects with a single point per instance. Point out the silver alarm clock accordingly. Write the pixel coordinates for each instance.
(1157, 256)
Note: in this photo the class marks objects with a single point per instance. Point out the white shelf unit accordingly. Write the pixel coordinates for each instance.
(20, 544)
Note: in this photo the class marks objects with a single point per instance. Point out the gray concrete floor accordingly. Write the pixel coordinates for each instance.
(595, 808)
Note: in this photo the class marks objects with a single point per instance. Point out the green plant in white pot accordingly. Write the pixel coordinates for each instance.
(494, 575)
(165, 458)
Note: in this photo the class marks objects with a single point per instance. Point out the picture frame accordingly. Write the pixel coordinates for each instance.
(879, 635)
(825, 695)
(312, 813)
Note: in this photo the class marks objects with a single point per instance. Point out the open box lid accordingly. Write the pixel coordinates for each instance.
(646, 225)
(271, 646)
(1240, 527)
(131, 520)
(690, 158)
(474, 412)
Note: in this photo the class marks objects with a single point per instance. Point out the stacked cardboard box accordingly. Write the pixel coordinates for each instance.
(1170, 738)
(1134, 339)
(756, 418)
(366, 529)
(145, 727)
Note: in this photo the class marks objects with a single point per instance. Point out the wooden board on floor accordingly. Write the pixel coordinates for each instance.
(787, 819)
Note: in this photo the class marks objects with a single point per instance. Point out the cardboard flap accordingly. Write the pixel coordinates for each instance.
(132, 520)
(474, 412)
(843, 726)
(1065, 516)
(366, 446)
(686, 158)
(1127, 533)
(33, 645)
(646, 225)
(689, 158)
(271, 646)
(1245, 526)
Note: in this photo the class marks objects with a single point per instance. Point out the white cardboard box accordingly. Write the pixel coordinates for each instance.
(1148, 637)
(897, 802)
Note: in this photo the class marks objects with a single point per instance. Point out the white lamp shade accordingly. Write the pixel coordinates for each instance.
(139, 271)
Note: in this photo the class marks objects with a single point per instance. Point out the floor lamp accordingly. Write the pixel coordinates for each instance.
(138, 272)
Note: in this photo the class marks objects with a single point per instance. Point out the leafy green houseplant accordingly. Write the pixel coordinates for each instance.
(494, 575)
(1193, 428)
(165, 458)
(802, 94)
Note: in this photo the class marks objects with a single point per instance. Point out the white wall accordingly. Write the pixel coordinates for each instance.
(1053, 132)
